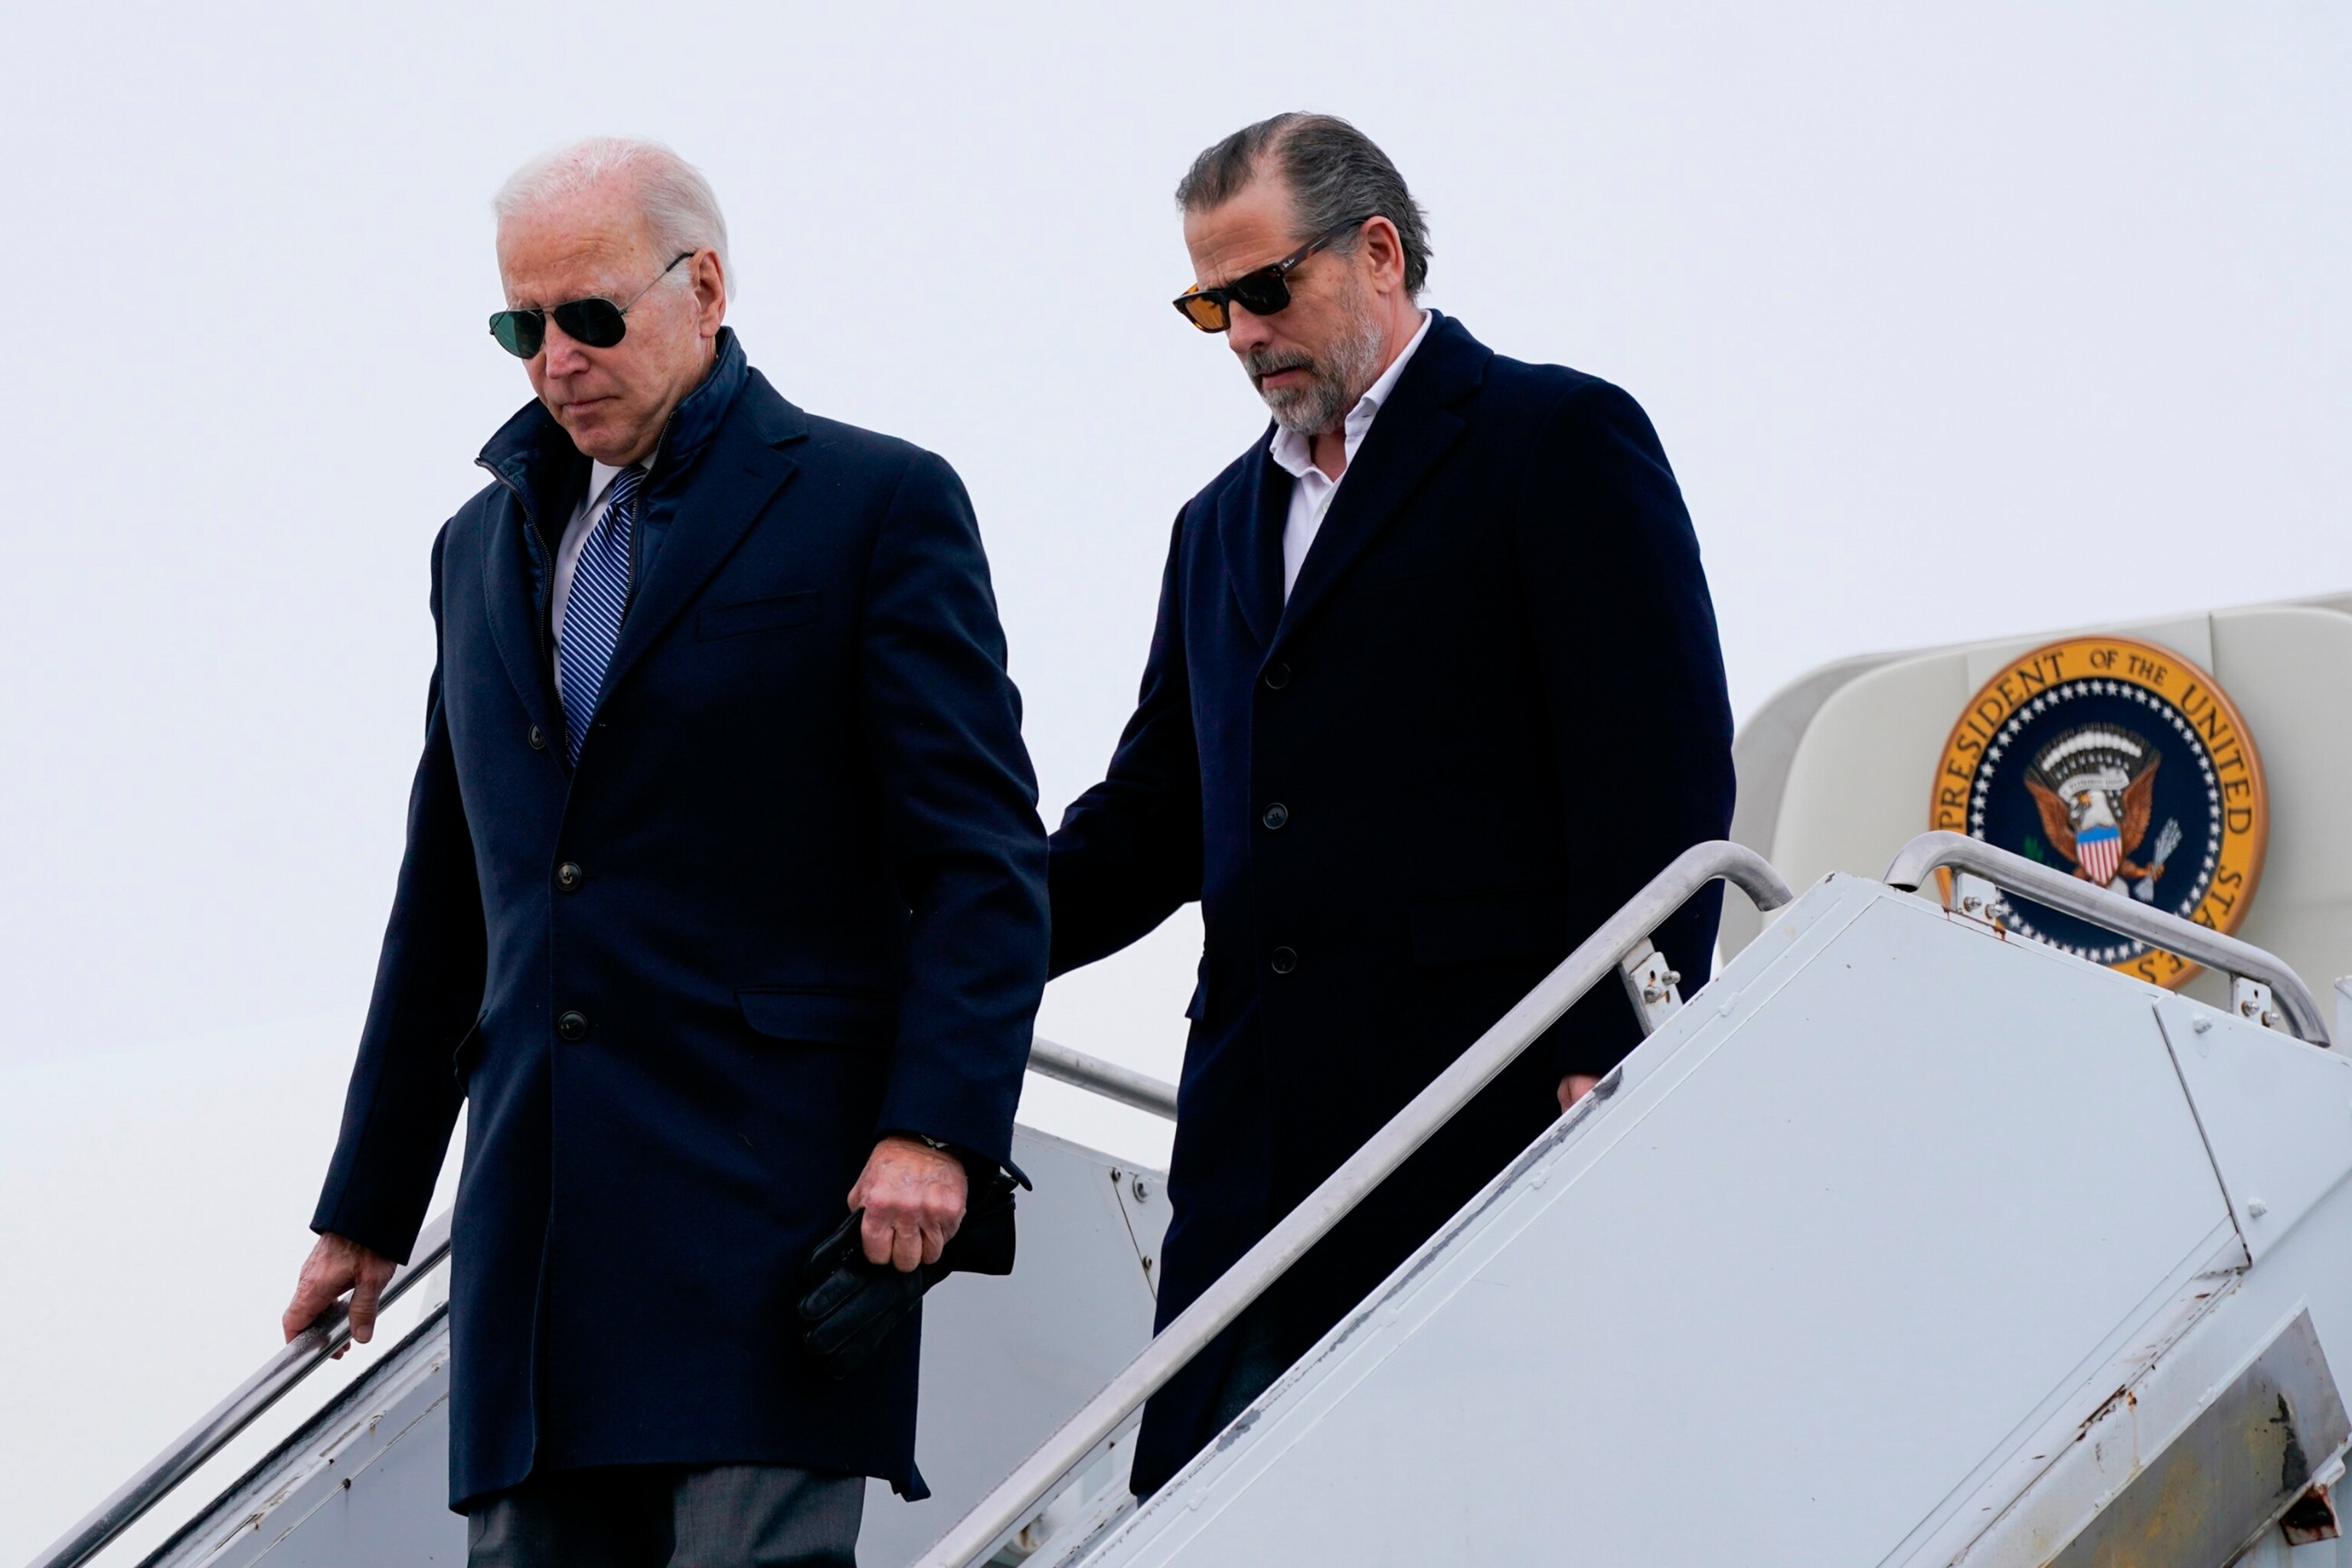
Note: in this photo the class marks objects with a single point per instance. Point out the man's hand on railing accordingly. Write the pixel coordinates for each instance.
(913, 1196)
(1575, 1087)
(336, 1263)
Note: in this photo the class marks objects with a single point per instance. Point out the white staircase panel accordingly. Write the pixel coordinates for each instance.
(2276, 1115)
(1870, 1210)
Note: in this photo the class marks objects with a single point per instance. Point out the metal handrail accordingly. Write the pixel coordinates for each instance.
(301, 1356)
(2045, 885)
(1108, 1080)
(315, 1346)
(1003, 1510)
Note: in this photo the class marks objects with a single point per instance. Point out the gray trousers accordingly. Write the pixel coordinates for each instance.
(668, 1516)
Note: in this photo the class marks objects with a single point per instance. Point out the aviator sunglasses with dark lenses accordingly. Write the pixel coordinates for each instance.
(595, 323)
(1261, 293)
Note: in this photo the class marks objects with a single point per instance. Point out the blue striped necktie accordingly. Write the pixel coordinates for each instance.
(592, 615)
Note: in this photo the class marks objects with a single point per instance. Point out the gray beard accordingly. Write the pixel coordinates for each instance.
(1334, 383)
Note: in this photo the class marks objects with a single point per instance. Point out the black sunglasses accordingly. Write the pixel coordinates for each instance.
(1261, 293)
(597, 323)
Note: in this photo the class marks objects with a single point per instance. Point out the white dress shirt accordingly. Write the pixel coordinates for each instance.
(1312, 493)
(567, 549)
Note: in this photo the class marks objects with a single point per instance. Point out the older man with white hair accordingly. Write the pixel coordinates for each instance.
(722, 909)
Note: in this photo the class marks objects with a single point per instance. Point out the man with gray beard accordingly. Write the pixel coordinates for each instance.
(1434, 689)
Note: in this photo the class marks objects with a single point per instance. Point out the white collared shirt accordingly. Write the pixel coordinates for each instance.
(1312, 489)
(567, 549)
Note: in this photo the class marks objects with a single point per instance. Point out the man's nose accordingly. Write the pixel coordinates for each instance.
(1246, 330)
(564, 354)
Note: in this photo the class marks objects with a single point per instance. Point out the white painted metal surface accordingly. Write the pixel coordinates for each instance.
(1876, 1244)
(2276, 1117)
(366, 1485)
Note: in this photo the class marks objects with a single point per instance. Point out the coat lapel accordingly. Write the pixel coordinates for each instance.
(514, 621)
(1411, 434)
(732, 482)
(1249, 530)
(532, 460)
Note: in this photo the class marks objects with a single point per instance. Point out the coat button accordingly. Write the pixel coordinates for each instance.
(1285, 961)
(1277, 676)
(1275, 814)
(538, 738)
(568, 877)
(573, 1026)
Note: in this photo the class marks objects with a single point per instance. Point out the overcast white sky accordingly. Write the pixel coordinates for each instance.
(1953, 326)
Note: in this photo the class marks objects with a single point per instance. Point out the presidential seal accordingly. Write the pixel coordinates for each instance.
(2123, 764)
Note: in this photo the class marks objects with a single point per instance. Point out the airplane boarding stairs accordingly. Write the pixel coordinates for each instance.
(1898, 1243)
(363, 1482)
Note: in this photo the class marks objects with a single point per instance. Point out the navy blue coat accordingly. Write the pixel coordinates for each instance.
(807, 908)
(1492, 709)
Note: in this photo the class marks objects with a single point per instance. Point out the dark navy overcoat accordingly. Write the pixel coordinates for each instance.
(791, 898)
(1492, 709)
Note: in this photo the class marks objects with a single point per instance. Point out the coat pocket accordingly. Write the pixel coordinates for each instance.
(1508, 922)
(834, 1016)
(757, 616)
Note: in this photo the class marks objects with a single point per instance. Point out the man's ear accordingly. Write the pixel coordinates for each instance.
(1384, 249)
(710, 292)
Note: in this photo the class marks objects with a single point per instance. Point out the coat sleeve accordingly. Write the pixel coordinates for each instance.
(405, 1095)
(942, 723)
(1129, 852)
(1617, 600)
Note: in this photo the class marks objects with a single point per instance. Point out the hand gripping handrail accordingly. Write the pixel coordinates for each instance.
(2074, 896)
(308, 1351)
(303, 1354)
(1003, 1510)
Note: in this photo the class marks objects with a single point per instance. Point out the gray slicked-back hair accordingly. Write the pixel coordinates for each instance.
(677, 201)
(1334, 171)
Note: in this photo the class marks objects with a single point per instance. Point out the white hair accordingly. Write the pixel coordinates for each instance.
(678, 202)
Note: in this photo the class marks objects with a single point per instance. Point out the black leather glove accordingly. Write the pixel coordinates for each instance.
(849, 1306)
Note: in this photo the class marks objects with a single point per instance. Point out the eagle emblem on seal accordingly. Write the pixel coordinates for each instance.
(2119, 762)
(2095, 787)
